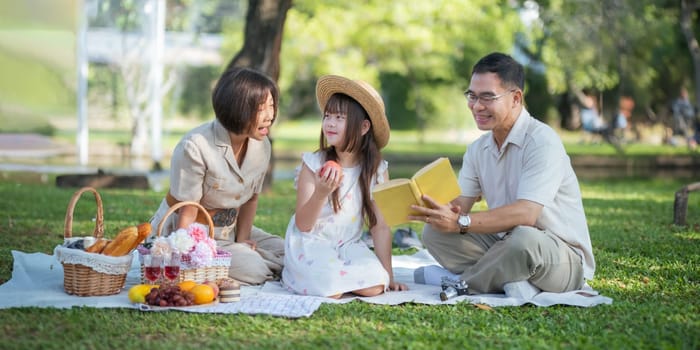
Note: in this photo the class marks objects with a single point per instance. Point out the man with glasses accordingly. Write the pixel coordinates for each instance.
(534, 235)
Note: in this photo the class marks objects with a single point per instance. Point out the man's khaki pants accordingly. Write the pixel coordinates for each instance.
(487, 262)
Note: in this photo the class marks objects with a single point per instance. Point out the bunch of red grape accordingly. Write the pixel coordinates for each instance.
(169, 296)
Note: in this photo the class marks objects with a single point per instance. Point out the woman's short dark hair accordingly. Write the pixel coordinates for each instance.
(238, 95)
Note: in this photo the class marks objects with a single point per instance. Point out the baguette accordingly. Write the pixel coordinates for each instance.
(98, 246)
(144, 230)
(121, 245)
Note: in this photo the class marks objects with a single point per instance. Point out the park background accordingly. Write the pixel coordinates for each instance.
(418, 54)
(135, 75)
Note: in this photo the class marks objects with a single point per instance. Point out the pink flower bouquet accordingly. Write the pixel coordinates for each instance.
(194, 243)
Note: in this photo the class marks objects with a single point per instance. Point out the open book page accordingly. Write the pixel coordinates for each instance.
(394, 198)
(438, 180)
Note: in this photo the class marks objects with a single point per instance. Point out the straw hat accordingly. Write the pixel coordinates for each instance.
(361, 92)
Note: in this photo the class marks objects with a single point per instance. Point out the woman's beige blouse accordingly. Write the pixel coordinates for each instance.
(204, 168)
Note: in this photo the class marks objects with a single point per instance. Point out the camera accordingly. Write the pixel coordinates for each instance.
(452, 288)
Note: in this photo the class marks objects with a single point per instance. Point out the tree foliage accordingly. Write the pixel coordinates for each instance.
(615, 47)
(420, 49)
(419, 54)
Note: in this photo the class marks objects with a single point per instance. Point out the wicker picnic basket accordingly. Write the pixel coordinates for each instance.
(90, 274)
(219, 266)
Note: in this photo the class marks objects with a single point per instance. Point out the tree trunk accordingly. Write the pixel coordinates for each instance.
(688, 7)
(680, 204)
(263, 36)
(264, 26)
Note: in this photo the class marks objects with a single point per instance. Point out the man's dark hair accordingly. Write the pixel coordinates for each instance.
(508, 70)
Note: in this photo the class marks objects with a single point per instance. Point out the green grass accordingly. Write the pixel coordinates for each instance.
(646, 264)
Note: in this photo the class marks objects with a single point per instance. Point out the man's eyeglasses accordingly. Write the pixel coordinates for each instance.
(485, 99)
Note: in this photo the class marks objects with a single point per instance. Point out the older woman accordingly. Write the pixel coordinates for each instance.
(222, 165)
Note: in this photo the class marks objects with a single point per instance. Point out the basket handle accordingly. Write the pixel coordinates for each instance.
(99, 220)
(179, 205)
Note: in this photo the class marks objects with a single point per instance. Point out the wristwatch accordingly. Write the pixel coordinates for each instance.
(464, 221)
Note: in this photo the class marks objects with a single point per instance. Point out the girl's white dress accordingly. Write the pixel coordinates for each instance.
(331, 259)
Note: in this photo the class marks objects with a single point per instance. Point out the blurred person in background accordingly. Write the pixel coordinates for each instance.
(622, 119)
(684, 120)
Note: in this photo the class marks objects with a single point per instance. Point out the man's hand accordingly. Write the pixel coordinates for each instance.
(441, 217)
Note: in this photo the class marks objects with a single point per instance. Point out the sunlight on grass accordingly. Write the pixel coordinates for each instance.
(690, 236)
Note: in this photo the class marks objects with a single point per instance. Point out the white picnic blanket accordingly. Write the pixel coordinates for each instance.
(37, 281)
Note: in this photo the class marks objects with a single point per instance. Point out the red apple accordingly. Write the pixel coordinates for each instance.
(331, 164)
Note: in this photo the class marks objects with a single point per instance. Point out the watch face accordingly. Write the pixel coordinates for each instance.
(464, 220)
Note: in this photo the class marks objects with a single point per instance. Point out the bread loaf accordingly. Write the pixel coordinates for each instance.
(98, 246)
(144, 230)
(121, 245)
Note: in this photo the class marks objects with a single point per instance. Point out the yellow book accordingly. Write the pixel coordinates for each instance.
(394, 197)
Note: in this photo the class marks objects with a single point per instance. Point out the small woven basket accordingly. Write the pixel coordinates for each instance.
(219, 266)
(90, 274)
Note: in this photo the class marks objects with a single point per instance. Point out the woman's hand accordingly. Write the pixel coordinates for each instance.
(253, 244)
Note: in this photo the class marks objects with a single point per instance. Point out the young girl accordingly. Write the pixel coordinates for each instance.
(324, 254)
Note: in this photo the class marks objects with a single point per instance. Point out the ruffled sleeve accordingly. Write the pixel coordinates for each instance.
(383, 166)
(312, 160)
(379, 177)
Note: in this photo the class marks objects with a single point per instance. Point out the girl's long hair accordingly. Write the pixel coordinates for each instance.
(363, 145)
